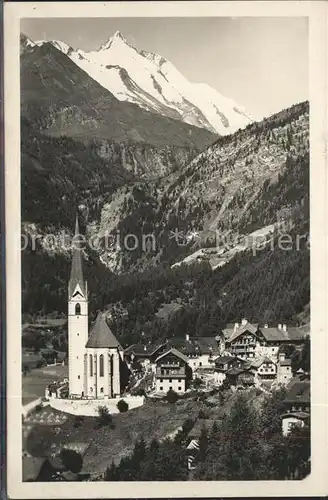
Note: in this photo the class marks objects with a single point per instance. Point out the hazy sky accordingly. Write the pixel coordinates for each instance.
(262, 63)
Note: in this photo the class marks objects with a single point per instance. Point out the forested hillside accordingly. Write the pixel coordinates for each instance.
(247, 179)
(235, 186)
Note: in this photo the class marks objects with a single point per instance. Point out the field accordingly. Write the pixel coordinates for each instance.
(35, 381)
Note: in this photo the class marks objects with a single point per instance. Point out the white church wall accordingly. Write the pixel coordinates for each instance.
(77, 338)
(102, 383)
(89, 407)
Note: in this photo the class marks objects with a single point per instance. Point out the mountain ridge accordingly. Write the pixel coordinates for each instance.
(59, 98)
(156, 85)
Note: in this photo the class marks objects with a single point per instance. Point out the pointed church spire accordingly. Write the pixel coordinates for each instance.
(76, 270)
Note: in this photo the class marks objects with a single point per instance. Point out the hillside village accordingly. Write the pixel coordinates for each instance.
(210, 374)
(187, 359)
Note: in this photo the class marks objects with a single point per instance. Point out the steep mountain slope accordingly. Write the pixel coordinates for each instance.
(154, 84)
(235, 186)
(59, 98)
(61, 173)
(263, 170)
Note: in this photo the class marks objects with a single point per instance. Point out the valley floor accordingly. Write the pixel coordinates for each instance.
(35, 381)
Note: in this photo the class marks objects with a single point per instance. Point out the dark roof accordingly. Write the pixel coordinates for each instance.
(298, 391)
(222, 360)
(302, 415)
(205, 369)
(227, 332)
(76, 270)
(248, 327)
(175, 352)
(143, 349)
(195, 345)
(235, 371)
(32, 467)
(101, 335)
(285, 362)
(292, 333)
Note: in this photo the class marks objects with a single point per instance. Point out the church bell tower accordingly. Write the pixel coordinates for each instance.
(77, 320)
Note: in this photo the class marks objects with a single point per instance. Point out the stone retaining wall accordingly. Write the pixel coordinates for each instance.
(89, 407)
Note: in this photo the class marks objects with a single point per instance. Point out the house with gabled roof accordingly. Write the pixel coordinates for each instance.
(200, 351)
(247, 340)
(284, 369)
(145, 354)
(274, 337)
(265, 368)
(193, 439)
(244, 341)
(172, 372)
(297, 405)
(223, 364)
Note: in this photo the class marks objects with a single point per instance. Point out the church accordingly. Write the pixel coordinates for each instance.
(95, 360)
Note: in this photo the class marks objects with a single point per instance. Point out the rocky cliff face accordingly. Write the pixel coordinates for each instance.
(144, 160)
(236, 186)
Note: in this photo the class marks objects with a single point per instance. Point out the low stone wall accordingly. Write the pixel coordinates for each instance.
(89, 407)
(28, 408)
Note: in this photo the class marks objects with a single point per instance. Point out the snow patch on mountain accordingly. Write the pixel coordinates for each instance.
(153, 83)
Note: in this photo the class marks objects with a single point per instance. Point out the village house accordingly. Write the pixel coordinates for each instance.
(145, 354)
(297, 405)
(193, 440)
(284, 369)
(273, 338)
(243, 376)
(266, 369)
(172, 372)
(248, 341)
(223, 364)
(244, 341)
(206, 374)
(200, 351)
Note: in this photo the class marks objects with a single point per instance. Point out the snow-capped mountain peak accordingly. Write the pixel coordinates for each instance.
(117, 38)
(155, 84)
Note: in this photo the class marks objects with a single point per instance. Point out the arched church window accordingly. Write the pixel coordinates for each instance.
(101, 365)
(91, 365)
(78, 309)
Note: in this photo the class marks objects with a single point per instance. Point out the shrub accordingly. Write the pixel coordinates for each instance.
(64, 394)
(72, 460)
(203, 414)
(38, 408)
(78, 420)
(104, 417)
(171, 396)
(197, 382)
(122, 406)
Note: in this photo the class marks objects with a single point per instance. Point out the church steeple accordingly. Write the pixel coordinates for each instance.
(76, 278)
